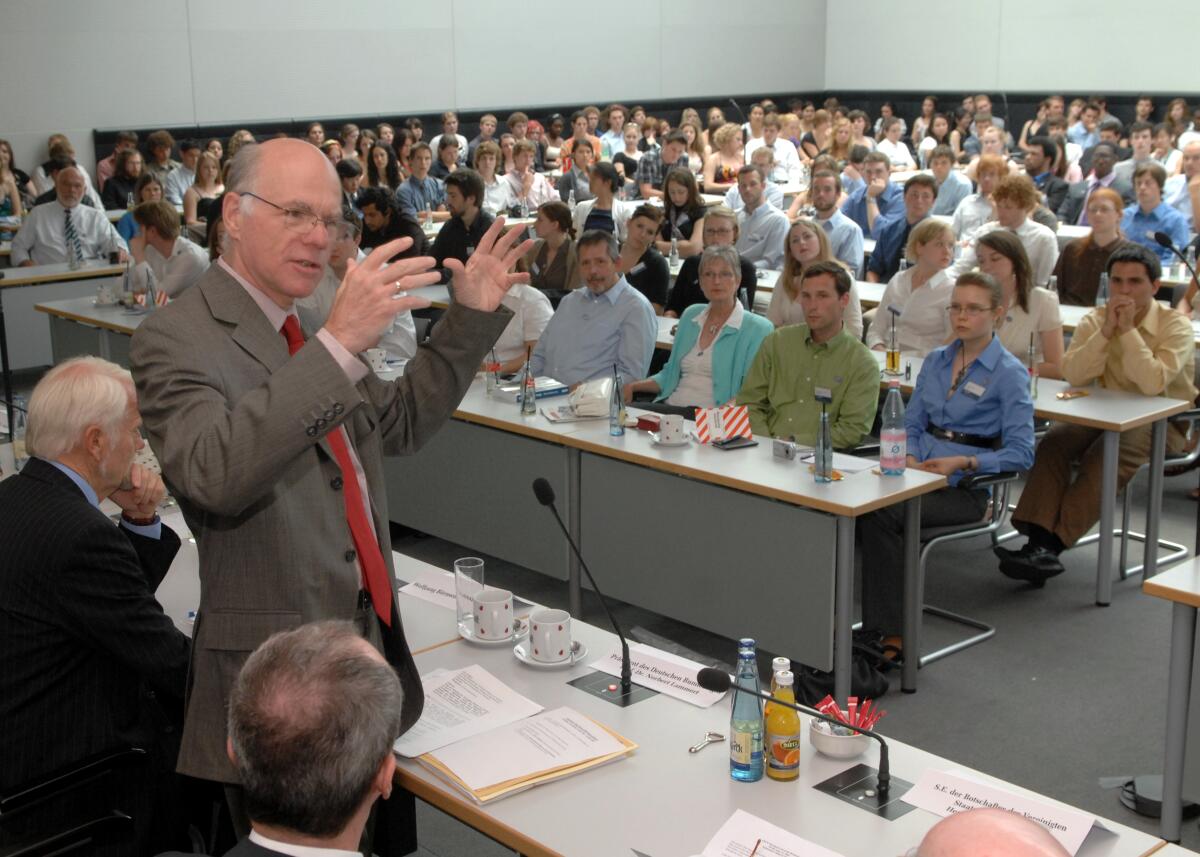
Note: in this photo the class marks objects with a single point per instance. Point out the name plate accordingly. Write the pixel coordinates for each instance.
(944, 793)
(661, 671)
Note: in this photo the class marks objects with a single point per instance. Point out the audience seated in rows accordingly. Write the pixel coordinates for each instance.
(604, 211)
(459, 235)
(877, 197)
(720, 230)
(384, 221)
(1149, 215)
(1014, 200)
(640, 262)
(552, 263)
(891, 232)
(807, 244)
(912, 311)
(761, 226)
(159, 249)
(683, 215)
(55, 231)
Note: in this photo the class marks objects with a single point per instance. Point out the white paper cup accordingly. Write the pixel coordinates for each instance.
(550, 636)
(376, 359)
(670, 428)
(493, 614)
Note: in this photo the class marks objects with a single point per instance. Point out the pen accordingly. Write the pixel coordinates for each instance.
(756, 844)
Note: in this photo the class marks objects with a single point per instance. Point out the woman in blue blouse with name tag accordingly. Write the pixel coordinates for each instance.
(970, 412)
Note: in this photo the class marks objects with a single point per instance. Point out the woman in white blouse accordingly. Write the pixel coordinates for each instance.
(916, 299)
(497, 195)
(531, 313)
(806, 244)
(1032, 315)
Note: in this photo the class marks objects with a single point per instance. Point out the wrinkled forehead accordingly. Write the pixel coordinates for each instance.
(299, 180)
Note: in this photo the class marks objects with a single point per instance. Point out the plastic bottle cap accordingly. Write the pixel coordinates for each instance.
(784, 678)
(780, 664)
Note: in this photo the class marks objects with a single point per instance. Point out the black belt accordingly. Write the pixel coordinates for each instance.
(963, 438)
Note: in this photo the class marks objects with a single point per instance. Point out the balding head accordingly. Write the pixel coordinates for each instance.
(989, 833)
(69, 186)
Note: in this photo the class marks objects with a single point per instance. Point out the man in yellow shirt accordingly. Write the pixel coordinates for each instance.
(1131, 344)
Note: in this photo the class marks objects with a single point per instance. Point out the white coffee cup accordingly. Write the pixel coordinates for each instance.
(550, 636)
(493, 614)
(105, 296)
(670, 428)
(376, 359)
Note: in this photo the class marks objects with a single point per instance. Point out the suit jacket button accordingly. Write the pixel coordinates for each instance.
(311, 431)
(321, 422)
(330, 414)
(350, 555)
(336, 483)
(338, 407)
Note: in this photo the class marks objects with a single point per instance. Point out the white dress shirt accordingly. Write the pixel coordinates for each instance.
(787, 159)
(974, 211)
(42, 238)
(1040, 243)
(187, 263)
(43, 183)
(923, 323)
(298, 850)
(762, 235)
(897, 153)
(531, 313)
(497, 197)
(774, 194)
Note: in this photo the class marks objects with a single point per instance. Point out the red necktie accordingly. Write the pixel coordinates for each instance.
(375, 577)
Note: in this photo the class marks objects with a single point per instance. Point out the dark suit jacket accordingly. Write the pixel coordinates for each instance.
(1055, 190)
(1072, 205)
(81, 636)
(239, 428)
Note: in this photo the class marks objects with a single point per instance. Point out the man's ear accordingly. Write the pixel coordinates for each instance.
(229, 752)
(385, 777)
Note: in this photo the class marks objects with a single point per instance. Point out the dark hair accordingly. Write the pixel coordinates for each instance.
(929, 129)
(445, 142)
(608, 173)
(941, 150)
(215, 218)
(122, 161)
(159, 138)
(312, 717)
(348, 168)
(383, 199)
(1112, 147)
(684, 177)
(144, 179)
(558, 212)
(1154, 169)
(648, 211)
(858, 153)
(468, 182)
(127, 137)
(841, 277)
(827, 174)
(599, 236)
(1049, 147)
(413, 124)
(1112, 123)
(1010, 247)
(400, 138)
(585, 142)
(391, 170)
(1135, 127)
(1131, 252)
(922, 180)
(189, 145)
(675, 137)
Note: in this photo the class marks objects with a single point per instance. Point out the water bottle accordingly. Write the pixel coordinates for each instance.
(524, 207)
(129, 201)
(492, 373)
(1102, 291)
(1190, 255)
(616, 407)
(893, 437)
(74, 262)
(746, 719)
(1033, 366)
(823, 456)
(674, 252)
(528, 391)
(428, 214)
(151, 290)
(571, 199)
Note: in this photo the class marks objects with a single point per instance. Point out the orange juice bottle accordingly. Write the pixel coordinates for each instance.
(782, 744)
(778, 665)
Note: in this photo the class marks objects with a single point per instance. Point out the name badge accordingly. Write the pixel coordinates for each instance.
(974, 390)
(536, 270)
(823, 394)
(638, 268)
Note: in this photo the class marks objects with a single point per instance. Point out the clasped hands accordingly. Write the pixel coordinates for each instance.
(373, 292)
(1119, 316)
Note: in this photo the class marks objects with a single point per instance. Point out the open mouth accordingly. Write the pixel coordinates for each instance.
(306, 265)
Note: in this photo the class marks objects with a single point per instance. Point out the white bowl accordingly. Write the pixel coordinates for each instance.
(835, 746)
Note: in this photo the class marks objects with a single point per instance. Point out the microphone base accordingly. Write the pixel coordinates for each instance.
(859, 786)
(598, 684)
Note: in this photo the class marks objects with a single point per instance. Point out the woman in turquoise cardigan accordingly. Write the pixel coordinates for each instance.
(715, 343)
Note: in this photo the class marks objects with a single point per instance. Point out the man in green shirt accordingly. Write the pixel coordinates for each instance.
(794, 362)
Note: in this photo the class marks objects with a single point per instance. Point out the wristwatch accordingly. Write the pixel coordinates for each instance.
(139, 522)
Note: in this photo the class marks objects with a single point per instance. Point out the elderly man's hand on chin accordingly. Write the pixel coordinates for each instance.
(140, 494)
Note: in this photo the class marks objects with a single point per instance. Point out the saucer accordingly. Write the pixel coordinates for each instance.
(654, 436)
(522, 631)
(99, 303)
(578, 653)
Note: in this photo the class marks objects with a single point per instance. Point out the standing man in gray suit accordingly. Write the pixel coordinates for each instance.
(274, 445)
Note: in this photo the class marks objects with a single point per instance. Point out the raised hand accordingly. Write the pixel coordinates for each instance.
(486, 277)
(370, 295)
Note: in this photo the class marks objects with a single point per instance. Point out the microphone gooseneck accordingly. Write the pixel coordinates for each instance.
(719, 681)
(545, 495)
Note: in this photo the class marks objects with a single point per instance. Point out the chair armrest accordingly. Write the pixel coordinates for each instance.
(57, 781)
(984, 480)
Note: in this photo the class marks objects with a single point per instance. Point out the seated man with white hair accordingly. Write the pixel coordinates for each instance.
(82, 640)
(990, 832)
(59, 230)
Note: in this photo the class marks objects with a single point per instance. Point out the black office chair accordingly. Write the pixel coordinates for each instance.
(75, 833)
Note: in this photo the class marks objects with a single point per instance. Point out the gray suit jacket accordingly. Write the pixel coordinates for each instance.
(239, 428)
(1072, 206)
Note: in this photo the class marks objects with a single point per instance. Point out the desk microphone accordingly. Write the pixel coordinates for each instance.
(719, 681)
(1164, 240)
(545, 495)
(738, 108)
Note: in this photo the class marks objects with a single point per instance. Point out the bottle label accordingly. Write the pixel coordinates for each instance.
(892, 449)
(783, 752)
(745, 747)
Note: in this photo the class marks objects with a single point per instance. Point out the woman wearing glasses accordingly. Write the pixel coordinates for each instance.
(970, 412)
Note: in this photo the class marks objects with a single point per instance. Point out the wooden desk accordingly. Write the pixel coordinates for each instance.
(1180, 586)
(662, 800)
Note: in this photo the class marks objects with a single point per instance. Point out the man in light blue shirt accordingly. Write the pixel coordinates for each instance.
(845, 236)
(1150, 214)
(763, 157)
(762, 228)
(184, 175)
(606, 323)
(878, 197)
(952, 186)
(1083, 133)
(421, 191)
(1176, 192)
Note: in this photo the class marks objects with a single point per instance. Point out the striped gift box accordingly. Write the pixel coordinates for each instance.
(722, 423)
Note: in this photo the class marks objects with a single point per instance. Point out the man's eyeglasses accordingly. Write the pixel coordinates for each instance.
(302, 221)
(973, 310)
